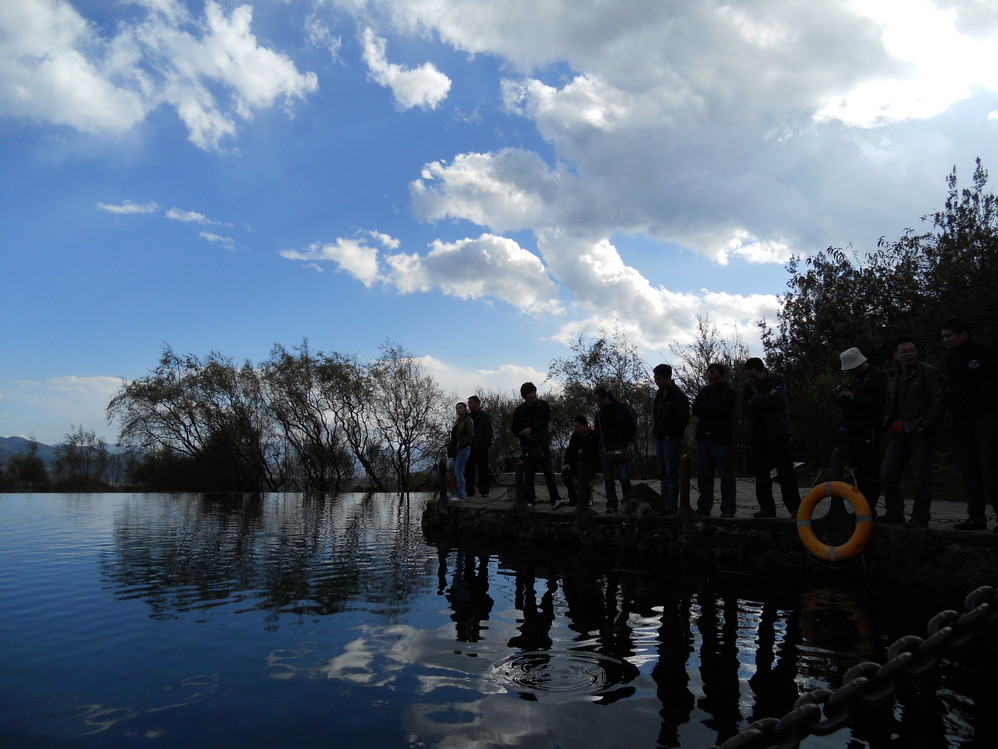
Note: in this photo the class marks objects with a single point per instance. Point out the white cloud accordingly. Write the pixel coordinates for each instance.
(56, 67)
(489, 267)
(424, 86)
(191, 217)
(128, 207)
(227, 242)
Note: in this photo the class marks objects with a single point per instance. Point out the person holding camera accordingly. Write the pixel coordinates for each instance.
(862, 401)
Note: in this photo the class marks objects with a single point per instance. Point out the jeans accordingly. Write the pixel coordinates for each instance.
(460, 459)
(775, 453)
(715, 457)
(977, 449)
(669, 452)
(904, 449)
(612, 470)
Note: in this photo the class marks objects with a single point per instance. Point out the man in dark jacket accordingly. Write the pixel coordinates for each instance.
(973, 396)
(476, 471)
(764, 403)
(671, 416)
(862, 400)
(615, 428)
(714, 407)
(530, 425)
(917, 400)
(581, 462)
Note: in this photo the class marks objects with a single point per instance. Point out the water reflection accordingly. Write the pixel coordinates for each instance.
(164, 615)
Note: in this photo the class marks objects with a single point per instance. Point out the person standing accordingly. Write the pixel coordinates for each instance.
(530, 425)
(581, 462)
(764, 403)
(714, 407)
(671, 415)
(476, 472)
(972, 367)
(462, 434)
(862, 401)
(915, 411)
(615, 428)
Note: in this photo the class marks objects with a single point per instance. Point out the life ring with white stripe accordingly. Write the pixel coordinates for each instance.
(864, 521)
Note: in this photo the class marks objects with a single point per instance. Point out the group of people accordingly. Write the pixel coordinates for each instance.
(908, 407)
(904, 409)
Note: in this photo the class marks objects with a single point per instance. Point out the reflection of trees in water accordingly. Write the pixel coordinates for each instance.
(298, 554)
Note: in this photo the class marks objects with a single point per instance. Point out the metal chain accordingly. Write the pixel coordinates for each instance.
(824, 711)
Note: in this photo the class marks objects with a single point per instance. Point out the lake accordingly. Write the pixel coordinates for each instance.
(163, 620)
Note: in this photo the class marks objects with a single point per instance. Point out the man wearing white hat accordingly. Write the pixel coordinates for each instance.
(862, 400)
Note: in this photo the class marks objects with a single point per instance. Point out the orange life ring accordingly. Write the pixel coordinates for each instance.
(864, 521)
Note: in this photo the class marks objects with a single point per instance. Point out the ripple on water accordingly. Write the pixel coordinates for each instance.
(563, 675)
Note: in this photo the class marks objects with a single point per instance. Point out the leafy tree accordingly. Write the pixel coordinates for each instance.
(25, 471)
(302, 409)
(208, 410)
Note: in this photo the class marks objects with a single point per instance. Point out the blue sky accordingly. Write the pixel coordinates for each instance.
(481, 181)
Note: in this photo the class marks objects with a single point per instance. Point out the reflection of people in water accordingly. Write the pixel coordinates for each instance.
(670, 672)
(469, 595)
(718, 626)
(538, 616)
(775, 679)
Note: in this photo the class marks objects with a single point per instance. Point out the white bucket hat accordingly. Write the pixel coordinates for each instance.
(851, 358)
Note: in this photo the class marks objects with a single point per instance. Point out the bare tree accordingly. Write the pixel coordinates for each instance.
(407, 409)
(82, 460)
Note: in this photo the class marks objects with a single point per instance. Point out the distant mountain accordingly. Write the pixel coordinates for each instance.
(19, 446)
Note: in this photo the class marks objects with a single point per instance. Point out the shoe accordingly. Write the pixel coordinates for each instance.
(764, 514)
(972, 525)
(916, 524)
(727, 514)
(558, 505)
(889, 519)
(611, 510)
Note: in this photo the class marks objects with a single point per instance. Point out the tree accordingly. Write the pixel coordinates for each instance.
(407, 410)
(81, 461)
(205, 409)
(303, 412)
(691, 362)
(611, 361)
(25, 471)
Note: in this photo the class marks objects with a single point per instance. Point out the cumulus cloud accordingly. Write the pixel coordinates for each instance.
(57, 67)
(489, 267)
(423, 87)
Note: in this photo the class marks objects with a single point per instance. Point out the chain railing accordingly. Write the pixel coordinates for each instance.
(866, 685)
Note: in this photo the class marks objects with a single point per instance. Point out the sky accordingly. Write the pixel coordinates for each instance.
(481, 181)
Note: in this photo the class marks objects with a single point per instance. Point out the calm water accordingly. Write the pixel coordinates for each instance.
(196, 620)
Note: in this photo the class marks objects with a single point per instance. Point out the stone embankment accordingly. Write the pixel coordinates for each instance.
(938, 557)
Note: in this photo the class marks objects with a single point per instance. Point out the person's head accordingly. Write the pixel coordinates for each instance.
(603, 396)
(956, 332)
(755, 370)
(581, 424)
(853, 359)
(474, 402)
(663, 375)
(528, 391)
(461, 408)
(906, 352)
(716, 373)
